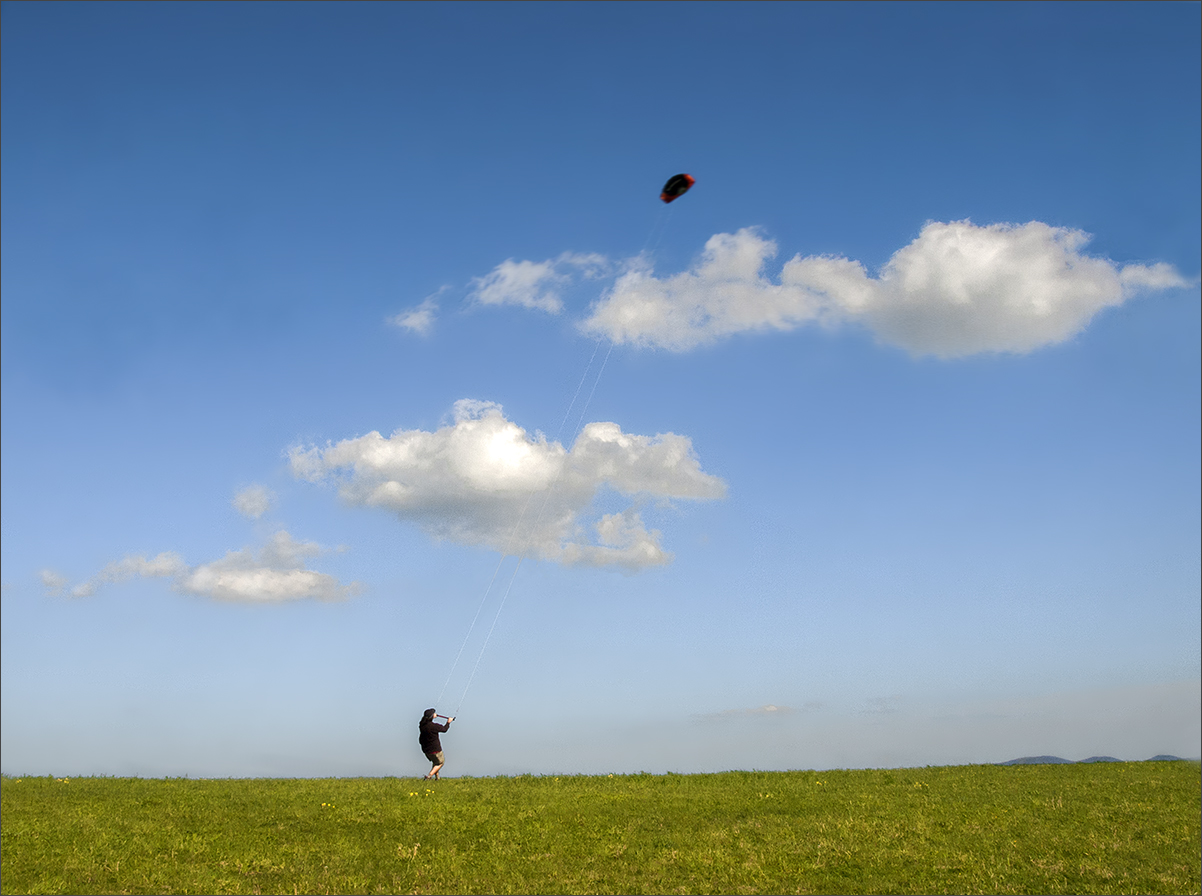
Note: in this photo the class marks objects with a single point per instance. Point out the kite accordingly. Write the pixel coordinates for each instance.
(677, 186)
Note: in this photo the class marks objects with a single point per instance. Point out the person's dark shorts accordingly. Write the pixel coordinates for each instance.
(438, 758)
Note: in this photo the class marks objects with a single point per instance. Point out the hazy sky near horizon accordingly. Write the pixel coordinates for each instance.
(880, 447)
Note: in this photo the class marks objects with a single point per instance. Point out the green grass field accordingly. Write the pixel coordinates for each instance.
(1099, 828)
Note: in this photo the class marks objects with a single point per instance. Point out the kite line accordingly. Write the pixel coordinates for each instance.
(676, 187)
(517, 526)
(534, 526)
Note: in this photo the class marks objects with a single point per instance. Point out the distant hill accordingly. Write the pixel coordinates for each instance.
(1056, 760)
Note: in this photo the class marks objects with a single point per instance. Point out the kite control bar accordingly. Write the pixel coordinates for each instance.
(441, 716)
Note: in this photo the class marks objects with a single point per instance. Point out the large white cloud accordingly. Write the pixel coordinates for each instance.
(276, 573)
(483, 480)
(956, 290)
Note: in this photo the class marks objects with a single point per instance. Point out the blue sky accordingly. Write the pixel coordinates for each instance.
(878, 448)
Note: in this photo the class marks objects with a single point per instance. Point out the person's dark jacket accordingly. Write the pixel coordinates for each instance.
(428, 737)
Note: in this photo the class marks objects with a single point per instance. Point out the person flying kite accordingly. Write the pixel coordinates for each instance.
(428, 731)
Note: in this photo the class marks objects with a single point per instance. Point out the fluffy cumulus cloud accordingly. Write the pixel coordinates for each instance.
(483, 480)
(275, 573)
(956, 290)
(534, 284)
(252, 502)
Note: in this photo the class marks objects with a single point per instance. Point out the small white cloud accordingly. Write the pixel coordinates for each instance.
(252, 502)
(53, 581)
(535, 284)
(526, 283)
(622, 541)
(958, 289)
(590, 264)
(419, 319)
(165, 565)
(276, 573)
(1138, 277)
(483, 480)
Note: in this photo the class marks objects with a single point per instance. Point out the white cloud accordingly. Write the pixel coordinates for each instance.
(165, 565)
(724, 293)
(419, 319)
(483, 480)
(252, 502)
(54, 582)
(622, 541)
(276, 573)
(591, 265)
(956, 290)
(1138, 277)
(532, 284)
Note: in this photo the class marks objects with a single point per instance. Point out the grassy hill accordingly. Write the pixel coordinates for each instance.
(1079, 828)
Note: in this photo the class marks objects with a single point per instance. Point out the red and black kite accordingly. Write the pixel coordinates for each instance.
(677, 186)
